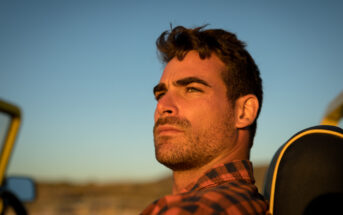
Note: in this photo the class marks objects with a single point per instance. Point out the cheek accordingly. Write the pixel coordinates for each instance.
(198, 112)
(207, 112)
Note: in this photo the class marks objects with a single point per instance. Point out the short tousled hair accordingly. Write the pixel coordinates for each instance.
(242, 76)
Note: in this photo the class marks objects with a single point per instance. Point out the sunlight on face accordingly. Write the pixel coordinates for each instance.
(193, 117)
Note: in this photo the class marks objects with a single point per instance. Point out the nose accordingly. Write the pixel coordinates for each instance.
(166, 106)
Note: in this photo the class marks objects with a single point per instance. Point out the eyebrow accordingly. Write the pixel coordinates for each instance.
(159, 87)
(189, 80)
(182, 82)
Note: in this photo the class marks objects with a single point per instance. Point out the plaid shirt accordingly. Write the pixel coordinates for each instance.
(226, 189)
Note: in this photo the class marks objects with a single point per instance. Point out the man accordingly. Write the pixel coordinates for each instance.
(208, 100)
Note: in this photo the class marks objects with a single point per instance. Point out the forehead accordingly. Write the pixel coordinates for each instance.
(193, 66)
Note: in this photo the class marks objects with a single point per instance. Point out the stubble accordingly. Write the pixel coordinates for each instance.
(191, 148)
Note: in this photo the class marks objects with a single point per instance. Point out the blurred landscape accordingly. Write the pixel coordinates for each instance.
(105, 199)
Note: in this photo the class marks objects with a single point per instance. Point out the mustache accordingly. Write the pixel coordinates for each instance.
(172, 120)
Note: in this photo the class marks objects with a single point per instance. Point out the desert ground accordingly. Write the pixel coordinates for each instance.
(104, 199)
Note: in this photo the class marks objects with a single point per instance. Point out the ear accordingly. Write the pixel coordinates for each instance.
(246, 109)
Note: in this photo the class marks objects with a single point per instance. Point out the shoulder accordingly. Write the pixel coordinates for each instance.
(227, 198)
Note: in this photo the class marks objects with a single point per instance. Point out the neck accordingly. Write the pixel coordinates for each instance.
(182, 179)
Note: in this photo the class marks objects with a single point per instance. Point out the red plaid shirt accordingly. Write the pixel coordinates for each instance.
(226, 189)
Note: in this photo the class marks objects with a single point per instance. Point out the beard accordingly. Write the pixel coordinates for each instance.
(191, 148)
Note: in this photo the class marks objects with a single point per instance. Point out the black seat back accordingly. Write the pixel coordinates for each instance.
(306, 173)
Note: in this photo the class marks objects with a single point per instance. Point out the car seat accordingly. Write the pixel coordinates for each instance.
(306, 173)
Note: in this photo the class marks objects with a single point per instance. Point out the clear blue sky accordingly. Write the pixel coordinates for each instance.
(83, 72)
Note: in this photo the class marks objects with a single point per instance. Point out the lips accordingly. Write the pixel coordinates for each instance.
(167, 130)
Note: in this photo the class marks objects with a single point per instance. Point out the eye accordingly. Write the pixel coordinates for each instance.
(193, 90)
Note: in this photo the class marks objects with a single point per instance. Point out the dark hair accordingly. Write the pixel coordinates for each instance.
(242, 76)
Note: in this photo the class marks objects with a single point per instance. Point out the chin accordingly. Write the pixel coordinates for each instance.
(171, 158)
(176, 166)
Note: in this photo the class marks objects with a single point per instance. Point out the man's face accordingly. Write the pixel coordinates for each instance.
(194, 121)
